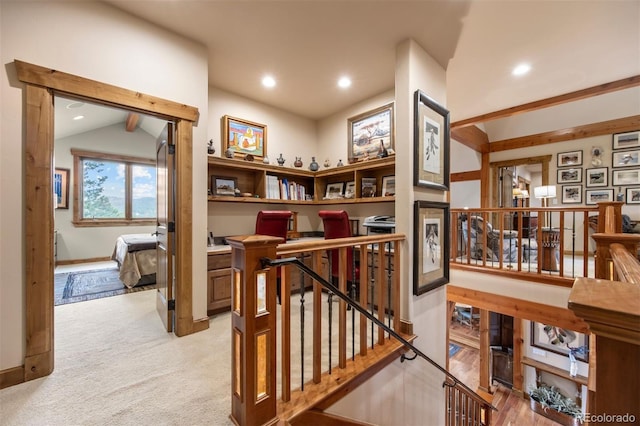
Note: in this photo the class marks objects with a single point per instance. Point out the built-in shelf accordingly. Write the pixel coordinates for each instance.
(554, 370)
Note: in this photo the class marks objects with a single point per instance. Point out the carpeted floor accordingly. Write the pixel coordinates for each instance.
(79, 286)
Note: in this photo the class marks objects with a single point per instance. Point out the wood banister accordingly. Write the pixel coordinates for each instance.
(626, 265)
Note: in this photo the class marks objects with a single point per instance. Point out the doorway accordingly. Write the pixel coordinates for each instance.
(41, 85)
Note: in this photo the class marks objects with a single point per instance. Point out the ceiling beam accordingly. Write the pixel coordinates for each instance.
(609, 127)
(472, 137)
(132, 121)
(601, 89)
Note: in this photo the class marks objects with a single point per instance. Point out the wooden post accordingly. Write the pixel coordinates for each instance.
(253, 329)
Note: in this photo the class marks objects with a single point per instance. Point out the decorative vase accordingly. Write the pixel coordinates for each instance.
(327, 163)
(265, 160)
(339, 163)
(313, 166)
(298, 162)
(280, 160)
(210, 148)
(228, 153)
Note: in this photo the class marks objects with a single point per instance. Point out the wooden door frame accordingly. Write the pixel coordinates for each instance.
(543, 160)
(41, 85)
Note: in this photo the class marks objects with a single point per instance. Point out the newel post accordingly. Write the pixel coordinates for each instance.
(253, 330)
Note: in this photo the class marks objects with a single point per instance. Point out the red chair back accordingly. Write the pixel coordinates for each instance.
(336, 225)
(274, 223)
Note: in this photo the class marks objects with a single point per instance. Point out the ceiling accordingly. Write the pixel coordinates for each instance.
(308, 44)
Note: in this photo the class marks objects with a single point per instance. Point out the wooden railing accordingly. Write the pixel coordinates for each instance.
(377, 334)
(610, 304)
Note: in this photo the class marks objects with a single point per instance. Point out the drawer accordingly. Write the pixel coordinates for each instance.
(218, 261)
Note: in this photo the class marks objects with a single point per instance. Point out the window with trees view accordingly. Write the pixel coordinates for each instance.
(114, 190)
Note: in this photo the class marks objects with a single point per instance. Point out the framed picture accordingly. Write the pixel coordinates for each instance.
(633, 195)
(350, 189)
(224, 185)
(570, 175)
(572, 158)
(626, 140)
(595, 196)
(334, 190)
(431, 243)
(626, 177)
(61, 188)
(431, 140)
(597, 177)
(244, 137)
(559, 340)
(371, 132)
(625, 158)
(368, 187)
(571, 194)
(388, 186)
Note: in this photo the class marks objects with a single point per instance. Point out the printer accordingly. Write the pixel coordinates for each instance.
(380, 224)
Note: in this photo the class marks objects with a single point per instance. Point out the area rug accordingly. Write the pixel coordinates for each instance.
(72, 287)
(453, 349)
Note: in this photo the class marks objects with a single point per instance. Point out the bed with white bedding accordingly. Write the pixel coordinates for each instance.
(137, 259)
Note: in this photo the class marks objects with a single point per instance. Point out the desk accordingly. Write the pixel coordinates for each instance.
(549, 252)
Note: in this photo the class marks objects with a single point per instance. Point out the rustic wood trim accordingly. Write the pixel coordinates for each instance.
(472, 137)
(553, 370)
(102, 223)
(485, 182)
(406, 327)
(484, 382)
(466, 176)
(537, 277)
(517, 308)
(131, 122)
(600, 89)
(79, 261)
(115, 157)
(11, 377)
(518, 339)
(103, 93)
(451, 306)
(619, 125)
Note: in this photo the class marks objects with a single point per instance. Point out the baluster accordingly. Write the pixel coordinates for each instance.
(352, 295)
(301, 329)
(388, 248)
(372, 292)
(330, 309)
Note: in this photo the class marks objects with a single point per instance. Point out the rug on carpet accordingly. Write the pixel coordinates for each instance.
(453, 349)
(72, 287)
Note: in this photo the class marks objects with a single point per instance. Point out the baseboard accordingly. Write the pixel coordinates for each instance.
(11, 377)
(76, 261)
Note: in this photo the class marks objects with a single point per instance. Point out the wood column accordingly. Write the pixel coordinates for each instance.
(253, 330)
(485, 383)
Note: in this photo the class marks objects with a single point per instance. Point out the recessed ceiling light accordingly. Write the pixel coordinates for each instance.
(74, 105)
(344, 82)
(78, 117)
(521, 69)
(268, 81)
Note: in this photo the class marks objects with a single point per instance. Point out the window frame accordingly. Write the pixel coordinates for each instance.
(78, 176)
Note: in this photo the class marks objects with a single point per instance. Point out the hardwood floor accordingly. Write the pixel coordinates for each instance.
(465, 364)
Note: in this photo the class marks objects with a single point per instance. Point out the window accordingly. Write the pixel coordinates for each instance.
(113, 190)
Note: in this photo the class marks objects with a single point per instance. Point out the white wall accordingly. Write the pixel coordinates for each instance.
(99, 42)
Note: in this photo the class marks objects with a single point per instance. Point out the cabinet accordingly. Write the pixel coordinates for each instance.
(255, 181)
(218, 282)
(502, 366)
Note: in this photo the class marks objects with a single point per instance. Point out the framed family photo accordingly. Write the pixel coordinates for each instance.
(626, 140)
(431, 244)
(559, 340)
(369, 132)
(244, 137)
(431, 142)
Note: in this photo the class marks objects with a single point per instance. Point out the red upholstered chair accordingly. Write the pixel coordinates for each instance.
(274, 223)
(336, 225)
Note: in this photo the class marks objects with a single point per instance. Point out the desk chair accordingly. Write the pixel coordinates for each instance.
(336, 225)
(274, 223)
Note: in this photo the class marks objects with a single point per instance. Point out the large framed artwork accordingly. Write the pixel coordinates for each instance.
(61, 188)
(431, 243)
(560, 340)
(370, 133)
(431, 140)
(244, 137)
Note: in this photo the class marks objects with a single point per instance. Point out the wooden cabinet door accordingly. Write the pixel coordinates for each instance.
(218, 290)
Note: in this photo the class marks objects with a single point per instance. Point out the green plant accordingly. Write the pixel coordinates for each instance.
(549, 396)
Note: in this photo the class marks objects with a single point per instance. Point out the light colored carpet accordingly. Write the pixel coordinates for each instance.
(115, 365)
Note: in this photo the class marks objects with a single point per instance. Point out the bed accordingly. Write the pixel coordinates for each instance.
(136, 257)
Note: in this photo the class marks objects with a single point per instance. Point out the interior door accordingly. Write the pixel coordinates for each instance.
(165, 281)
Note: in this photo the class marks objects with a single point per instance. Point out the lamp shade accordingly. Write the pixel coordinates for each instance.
(545, 191)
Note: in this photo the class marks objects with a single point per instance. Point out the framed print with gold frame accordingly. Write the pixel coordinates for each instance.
(244, 137)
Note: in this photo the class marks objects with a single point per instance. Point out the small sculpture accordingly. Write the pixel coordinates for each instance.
(281, 160)
(313, 166)
(210, 148)
(382, 152)
(298, 162)
(248, 157)
(265, 160)
(228, 153)
(327, 163)
(339, 163)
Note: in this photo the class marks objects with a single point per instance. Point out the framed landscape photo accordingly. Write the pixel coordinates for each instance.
(597, 177)
(626, 140)
(570, 175)
(571, 194)
(431, 143)
(334, 190)
(625, 177)
(244, 137)
(595, 196)
(626, 158)
(225, 186)
(559, 340)
(431, 244)
(61, 188)
(388, 186)
(572, 158)
(633, 195)
(369, 132)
